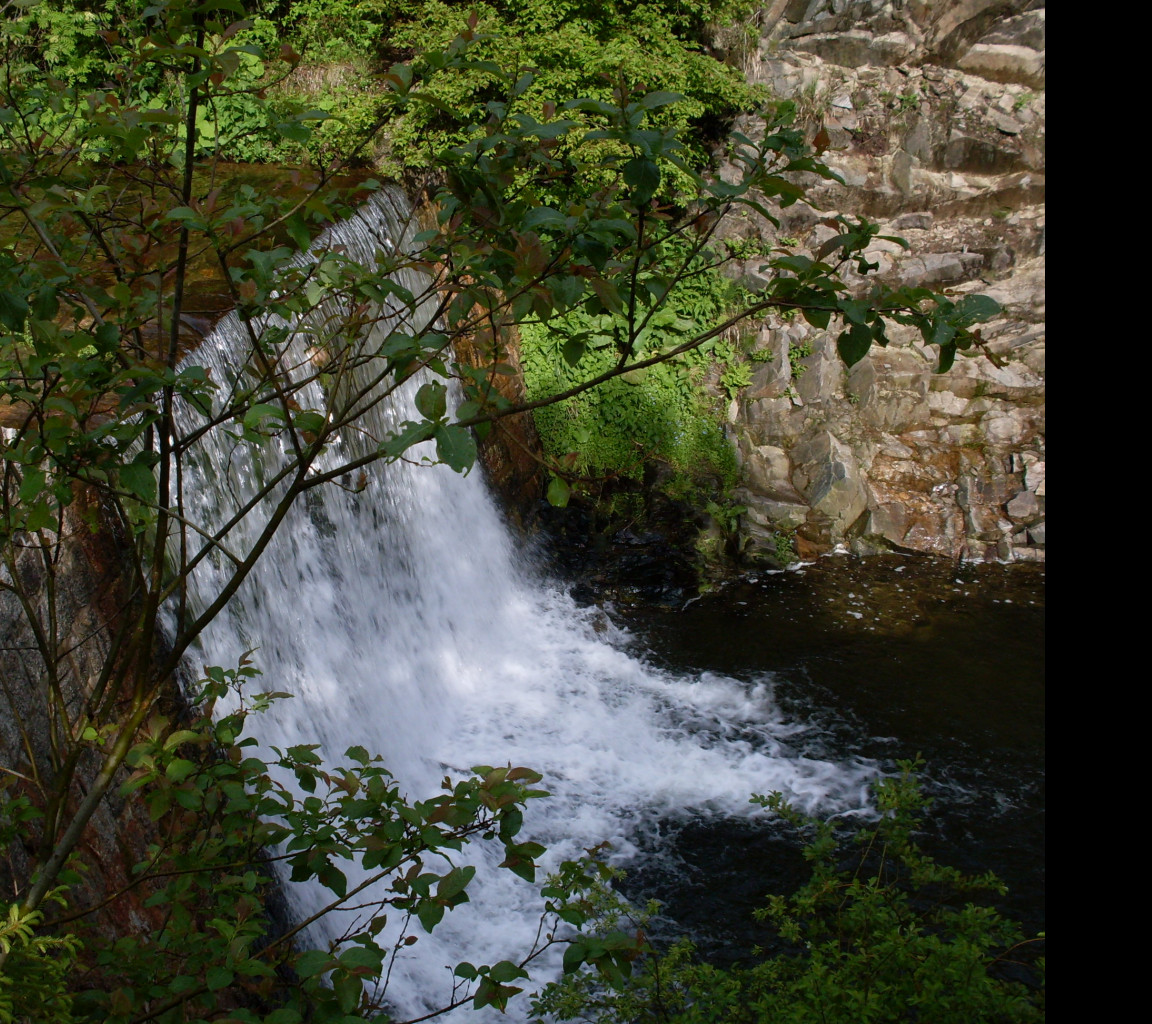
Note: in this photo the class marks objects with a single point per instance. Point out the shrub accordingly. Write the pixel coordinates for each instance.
(884, 936)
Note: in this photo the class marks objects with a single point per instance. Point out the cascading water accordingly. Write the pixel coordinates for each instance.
(403, 620)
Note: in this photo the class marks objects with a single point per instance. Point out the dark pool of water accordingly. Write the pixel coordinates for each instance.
(892, 657)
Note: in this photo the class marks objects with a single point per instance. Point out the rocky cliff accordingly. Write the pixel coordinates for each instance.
(935, 114)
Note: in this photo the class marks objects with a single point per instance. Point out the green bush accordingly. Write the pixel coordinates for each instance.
(885, 936)
(572, 47)
(219, 814)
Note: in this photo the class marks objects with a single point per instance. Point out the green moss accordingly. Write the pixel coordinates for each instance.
(661, 414)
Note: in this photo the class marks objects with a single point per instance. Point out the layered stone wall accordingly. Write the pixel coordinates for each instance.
(935, 112)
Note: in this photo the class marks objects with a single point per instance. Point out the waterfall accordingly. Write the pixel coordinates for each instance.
(405, 618)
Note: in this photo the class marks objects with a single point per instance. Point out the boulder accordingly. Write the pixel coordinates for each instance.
(768, 472)
(1024, 507)
(828, 475)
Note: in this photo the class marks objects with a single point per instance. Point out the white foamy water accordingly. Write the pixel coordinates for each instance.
(402, 620)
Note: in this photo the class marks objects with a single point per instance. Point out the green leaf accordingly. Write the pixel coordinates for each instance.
(456, 447)
(313, 422)
(410, 434)
(257, 413)
(975, 309)
(574, 956)
(607, 294)
(313, 962)
(137, 478)
(178, 737)
(362, 956)
(506, 970)
(573, 351)
(454, 882)
(566, 291)
(333, 878)
(854, 311)
(432, 400)
(558, 492)
(644, 177)
(430, 914)
(944, 335)
(179, 769)
(294, 131)
(347, 988)
(32, 484)
(854, 344)
(45, 305)
(947, 358)
(591, 106)
(13, 310)
(217, 978)
(543, 217)
(817, 317)
(797, 264)
(660, 98)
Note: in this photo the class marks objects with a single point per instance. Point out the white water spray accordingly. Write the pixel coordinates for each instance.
(402, 620)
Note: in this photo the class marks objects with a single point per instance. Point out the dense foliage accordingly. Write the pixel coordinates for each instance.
(661, 414)
(218, 810)
(573, 49)
(345, 49)
(881, 936)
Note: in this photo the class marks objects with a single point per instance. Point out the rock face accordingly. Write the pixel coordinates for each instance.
(509, 451)
(935, 110)
(91, 584)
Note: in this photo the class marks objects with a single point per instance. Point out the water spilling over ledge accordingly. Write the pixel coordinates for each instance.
(402, 618)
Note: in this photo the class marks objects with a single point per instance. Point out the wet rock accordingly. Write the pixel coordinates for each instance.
(1022, 30)
(977, 153)
(602, 561)
(1033, 473)
(889, 522)
(91, 583)
(828, 475)
(771, 377)
(769, 474)
(1027, 554)
(1024, 507)
(849, 49)
(764, 521)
